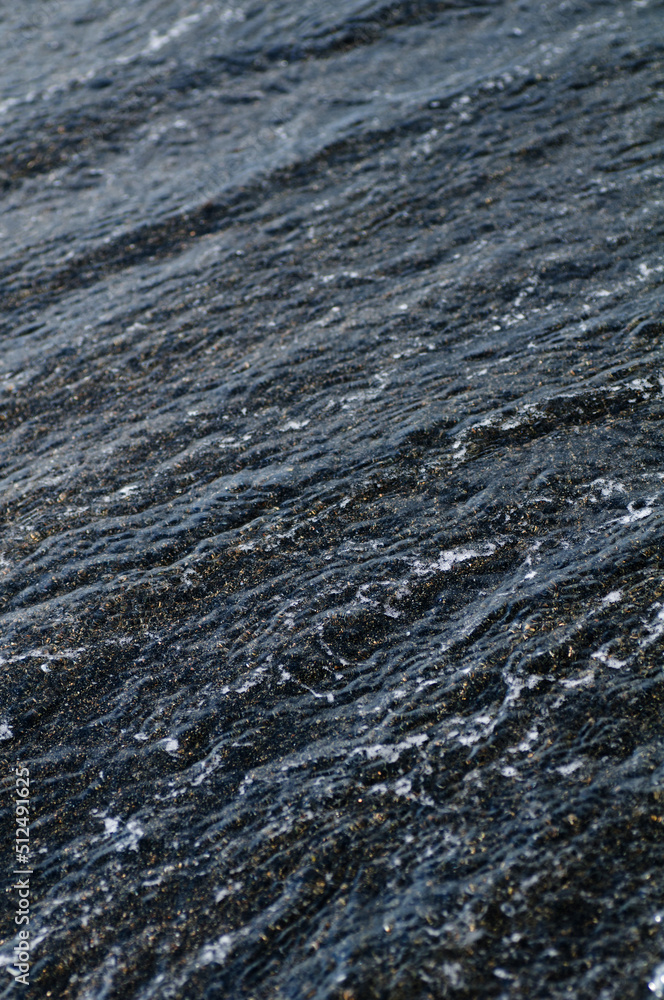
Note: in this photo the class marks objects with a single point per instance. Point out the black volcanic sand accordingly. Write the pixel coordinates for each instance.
(332, 583)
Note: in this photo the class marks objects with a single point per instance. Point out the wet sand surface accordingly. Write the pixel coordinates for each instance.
(331, 583)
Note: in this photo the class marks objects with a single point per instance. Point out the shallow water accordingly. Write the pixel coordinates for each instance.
(332, 476)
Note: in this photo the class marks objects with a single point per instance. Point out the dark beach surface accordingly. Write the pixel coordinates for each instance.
(331, 576)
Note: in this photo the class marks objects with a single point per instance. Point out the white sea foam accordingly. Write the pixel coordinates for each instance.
(604, 657)
(613, 597)
(390, 752)
(217, 952)
(655, 628)
(451, 557)
(566, 769)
